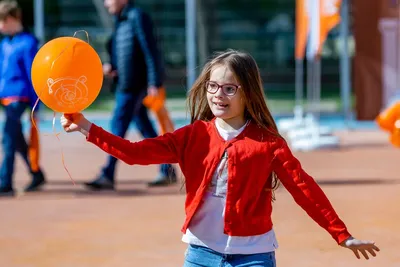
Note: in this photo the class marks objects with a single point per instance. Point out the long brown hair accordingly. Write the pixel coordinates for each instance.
(247, 74)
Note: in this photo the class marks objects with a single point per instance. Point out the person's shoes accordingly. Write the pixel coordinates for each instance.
(38, 181)
(6, 191)
(100, 183)
(164, 180)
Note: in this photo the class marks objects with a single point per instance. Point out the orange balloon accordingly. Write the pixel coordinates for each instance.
(67, 74)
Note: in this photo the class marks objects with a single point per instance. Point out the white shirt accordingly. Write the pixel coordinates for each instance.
(207, 225)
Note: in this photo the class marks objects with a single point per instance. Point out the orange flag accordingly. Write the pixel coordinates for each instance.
(329, 18)
(328, 12)
(302, 24)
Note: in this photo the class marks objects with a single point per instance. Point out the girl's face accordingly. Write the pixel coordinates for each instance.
(224, 96)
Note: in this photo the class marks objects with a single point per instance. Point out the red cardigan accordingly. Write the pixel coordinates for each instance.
(253, 155)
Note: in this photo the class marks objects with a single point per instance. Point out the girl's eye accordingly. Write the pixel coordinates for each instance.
(230, 89)
(212, 86)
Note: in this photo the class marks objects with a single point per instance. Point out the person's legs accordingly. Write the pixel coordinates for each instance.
(121, 119)
(122, 116)
(30, 154)
(22, 147)
(12, 133)
(144, 125)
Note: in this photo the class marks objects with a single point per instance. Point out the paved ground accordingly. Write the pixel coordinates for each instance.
(65, 225)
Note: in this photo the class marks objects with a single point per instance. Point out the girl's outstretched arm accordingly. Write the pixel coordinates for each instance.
(162, 149)
(313, 200)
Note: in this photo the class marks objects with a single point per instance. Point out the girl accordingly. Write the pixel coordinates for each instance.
(232, 157)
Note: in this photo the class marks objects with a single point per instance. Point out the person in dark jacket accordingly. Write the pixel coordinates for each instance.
(136, 67)
(17, 51)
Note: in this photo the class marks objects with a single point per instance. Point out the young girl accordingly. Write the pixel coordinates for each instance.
(232, 157)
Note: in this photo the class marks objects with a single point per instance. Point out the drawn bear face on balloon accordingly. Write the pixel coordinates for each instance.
(68, 91)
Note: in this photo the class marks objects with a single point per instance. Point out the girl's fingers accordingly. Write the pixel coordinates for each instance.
(372, 252)
(364, 254)
(68, 129)
(375, 248)
(356, 253)
(70, 116)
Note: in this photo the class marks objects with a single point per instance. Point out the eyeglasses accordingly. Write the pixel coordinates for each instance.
(227, 89)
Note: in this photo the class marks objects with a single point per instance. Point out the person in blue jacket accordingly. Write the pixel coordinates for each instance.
(137, 69)
(17, 51)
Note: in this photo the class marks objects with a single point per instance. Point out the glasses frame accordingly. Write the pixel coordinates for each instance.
(222, 86)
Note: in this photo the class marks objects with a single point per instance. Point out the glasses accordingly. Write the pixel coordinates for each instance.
(227, 89)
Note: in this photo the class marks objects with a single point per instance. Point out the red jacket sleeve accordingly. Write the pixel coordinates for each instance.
(162, 149)
(307, 193)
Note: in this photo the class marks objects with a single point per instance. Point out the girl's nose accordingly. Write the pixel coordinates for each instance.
(219, 93)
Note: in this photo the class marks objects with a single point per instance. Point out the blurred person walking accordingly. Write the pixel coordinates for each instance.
(136, 67)
(17, 51)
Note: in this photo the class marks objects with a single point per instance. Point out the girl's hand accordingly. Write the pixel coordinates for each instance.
(360, 246)
(75, 122)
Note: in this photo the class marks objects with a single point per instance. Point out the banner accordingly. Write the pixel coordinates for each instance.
(330, 17)
(301, 28)
(314, 20)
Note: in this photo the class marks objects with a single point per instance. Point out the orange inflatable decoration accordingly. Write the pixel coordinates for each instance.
(67, 74)
(395, 136)
(389, 120)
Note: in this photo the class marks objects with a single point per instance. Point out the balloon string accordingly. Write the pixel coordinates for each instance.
(56, 135)
(87, 34)
(32, 116)
(62, 150)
